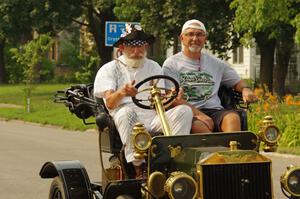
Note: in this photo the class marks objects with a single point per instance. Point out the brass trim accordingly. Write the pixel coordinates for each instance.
(140, 152)
(199, 171)
(155, 93)
(236, 157)
(156, 182)
(233, 145)
(174, 176)
(265, 139)
(148, 144)
(285, 176)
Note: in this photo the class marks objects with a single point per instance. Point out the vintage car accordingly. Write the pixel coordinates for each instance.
(202, 166)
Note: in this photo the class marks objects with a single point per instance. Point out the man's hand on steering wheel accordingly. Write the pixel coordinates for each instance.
(179, 99)
(153, 80)
(129, 89)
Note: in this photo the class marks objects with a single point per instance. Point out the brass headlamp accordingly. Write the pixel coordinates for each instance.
(290, 181)
(269, 134)
(181, 185)
(141, 140)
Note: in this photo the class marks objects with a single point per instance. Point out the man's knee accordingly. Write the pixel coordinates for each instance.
(184, 111)
(125, 114)
(232, 117)
(231, 122)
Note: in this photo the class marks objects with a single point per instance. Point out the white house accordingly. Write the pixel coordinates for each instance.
(246, 61)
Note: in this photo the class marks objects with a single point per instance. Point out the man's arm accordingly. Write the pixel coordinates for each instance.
(113, 98)
(247, 93)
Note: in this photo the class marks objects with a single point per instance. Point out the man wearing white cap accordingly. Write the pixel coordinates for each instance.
(201, 75)
(115, 84)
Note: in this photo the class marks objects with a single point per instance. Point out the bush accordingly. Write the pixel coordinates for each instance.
(285, 113)
(291, 133)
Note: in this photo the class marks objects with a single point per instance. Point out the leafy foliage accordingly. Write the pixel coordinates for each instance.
(164, 19)
(89, 64)
(296, 23)
(291, 134)
(30, 57)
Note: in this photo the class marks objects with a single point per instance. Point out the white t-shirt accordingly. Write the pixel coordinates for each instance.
(115, 75)
(202, 79)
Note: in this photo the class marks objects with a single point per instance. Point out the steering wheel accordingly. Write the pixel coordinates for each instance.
(154, 81)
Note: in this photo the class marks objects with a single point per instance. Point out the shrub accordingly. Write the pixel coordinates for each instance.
(285, 113)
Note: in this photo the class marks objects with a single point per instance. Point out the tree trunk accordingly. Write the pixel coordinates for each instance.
(2, 62)
(157, 52)
(267, 49)
(284, 48)
(97, 28)
(175, 45)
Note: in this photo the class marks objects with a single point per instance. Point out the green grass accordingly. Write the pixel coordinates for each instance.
(289, 150)
(43, 109)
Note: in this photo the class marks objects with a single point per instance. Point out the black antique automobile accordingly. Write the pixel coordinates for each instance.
(203, 166)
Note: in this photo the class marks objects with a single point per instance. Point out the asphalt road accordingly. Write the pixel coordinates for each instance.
(24, 148)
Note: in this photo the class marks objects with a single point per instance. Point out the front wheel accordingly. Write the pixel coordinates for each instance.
(57, 190)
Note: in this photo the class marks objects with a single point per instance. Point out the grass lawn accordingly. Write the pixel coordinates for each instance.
(289, 150)
(43, 109)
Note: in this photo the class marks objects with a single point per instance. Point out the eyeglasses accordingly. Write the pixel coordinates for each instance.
(195, 34)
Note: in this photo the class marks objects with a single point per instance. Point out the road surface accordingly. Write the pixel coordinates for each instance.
(25, 147)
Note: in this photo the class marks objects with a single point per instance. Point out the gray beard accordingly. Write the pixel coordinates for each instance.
(195, 49)
(133, 63)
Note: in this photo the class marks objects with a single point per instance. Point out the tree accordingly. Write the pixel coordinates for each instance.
(2, 63)
(270, 23)
(30, 56)
(20, 18)
(97, 12)
(166, 18)
(13, 27)
(296, 23)
(90, 13)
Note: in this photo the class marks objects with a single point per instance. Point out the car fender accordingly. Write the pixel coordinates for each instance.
(73, 174)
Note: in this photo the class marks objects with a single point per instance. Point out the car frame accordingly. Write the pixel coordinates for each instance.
(206, 166)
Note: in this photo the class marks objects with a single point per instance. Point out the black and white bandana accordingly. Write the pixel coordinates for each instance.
(134, 43)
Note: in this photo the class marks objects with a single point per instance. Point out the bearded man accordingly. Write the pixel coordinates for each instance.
(115, 84)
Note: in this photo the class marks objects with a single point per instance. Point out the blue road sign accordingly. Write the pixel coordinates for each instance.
(113, 31)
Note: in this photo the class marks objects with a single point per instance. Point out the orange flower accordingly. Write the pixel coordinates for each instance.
(288, 99)
(259, 92)
(266, 106)
(273, 98)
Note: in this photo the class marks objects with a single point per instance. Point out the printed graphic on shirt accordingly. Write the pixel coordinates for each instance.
(197, 85)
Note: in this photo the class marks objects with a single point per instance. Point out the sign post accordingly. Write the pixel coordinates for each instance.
(113, 31)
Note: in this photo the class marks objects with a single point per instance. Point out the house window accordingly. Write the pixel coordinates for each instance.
(238, 55)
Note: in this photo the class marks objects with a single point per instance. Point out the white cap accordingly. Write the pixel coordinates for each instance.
(193, 23)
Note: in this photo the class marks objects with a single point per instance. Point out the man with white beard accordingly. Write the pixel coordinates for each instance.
(115, 82)
(201, 75)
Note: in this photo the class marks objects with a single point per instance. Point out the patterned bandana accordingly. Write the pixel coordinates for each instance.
(134, 43)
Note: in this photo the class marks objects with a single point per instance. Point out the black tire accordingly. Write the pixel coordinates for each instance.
(57, 190)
